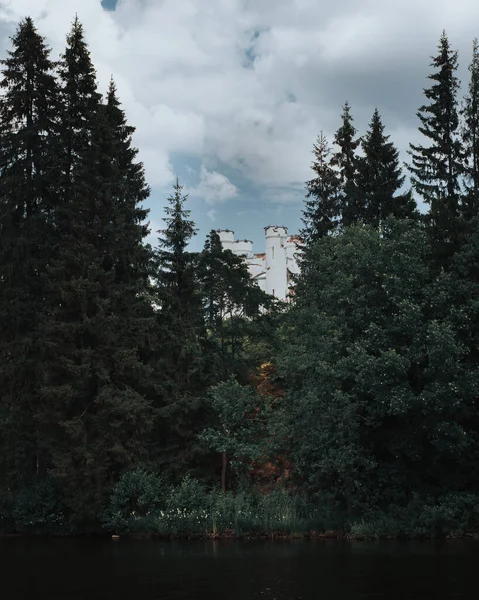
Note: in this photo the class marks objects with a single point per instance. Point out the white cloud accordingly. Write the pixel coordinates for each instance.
(214, 188)
(183, 77)
(211, 214)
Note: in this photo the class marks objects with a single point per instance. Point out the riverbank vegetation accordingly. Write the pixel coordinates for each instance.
(155, 390)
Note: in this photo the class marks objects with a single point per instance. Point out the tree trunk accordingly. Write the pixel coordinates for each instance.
(224, 465)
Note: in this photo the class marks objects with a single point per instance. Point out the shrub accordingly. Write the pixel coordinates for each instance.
(141, 502)
(187, 510)
(189, 495)
(423, 517)
(135, 499)
(38, 508)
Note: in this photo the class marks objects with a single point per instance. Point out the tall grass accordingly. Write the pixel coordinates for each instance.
(192, 510)
(143, 503)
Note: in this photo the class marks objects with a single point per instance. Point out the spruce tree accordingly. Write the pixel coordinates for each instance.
(345, 160)
(181, 329)
(130, 191)
(96, 410)
(380, 177)
(28, 174)
(209, 266)
(321, 213)
(470, 140)
(436, 167)
(80, 101)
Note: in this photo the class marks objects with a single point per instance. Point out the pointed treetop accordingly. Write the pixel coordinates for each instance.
(112, 95)
(76, 33)
(376, 116)
(345, 134)
(29, 48)
(375, 133)
(380, 177)
(180, 229)
(26, 29)
(321, 211)
(27, 24)
(446, 57)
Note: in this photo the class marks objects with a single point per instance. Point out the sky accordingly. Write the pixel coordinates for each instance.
(230, 95)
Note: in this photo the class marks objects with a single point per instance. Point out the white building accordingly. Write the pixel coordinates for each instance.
(273, 268)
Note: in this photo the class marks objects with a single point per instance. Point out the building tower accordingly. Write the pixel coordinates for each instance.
(276, 263)
(227, 238)
(272, 270)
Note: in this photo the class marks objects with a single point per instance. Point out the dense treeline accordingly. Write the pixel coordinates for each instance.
(158, 389)
(107, 346)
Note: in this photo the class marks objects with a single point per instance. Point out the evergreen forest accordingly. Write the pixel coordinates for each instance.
(149, 389)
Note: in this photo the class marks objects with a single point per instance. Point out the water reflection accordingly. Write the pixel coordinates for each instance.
(228, 570)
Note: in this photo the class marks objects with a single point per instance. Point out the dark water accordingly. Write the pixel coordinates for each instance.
(107, 570)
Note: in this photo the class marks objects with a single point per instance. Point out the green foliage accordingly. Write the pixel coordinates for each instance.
(348, 189)
(450, 515)
(380, 178)
(232, 305)
(470, 140)
(190, 509)
(180, 357)
(133, 502)
(436, 167)
(94, 415)
(189, 495)
(80, 102)
(28, 173)
(186, 510)
(346, 161)
(369, 410)
(142, 504)
(38, 508)
(117, 360)
(73, 270)
(242, 422)
(322, 210)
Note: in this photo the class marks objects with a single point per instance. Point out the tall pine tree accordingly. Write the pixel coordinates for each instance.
(28, 174)
(436, 167)
(96, 413)
(321, 214)
(80, 101)
(470, 140)
(181, 359)
(346, 161)
(380, 177)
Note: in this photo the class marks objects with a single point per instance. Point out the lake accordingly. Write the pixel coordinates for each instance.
(33, 569)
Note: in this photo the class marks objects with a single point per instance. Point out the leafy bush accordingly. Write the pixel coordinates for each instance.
(189, 495)
(142, 503)
(38, 508)
(452, 514)
(448, 515)
(135, 499)
(187, 510)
